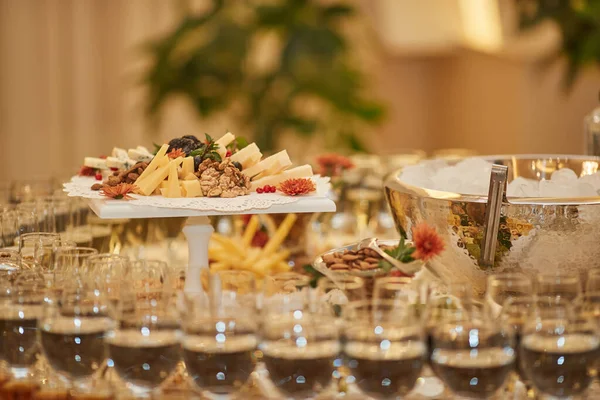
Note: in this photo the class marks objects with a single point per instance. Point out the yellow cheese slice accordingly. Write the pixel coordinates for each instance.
(274, 169)
(282, 158)
(247, 155)
(187, 167)
(191, 188)
(154, 164)
(148, 185)
(223, 142)
(303, 171)
(190, 177)
(173, 190)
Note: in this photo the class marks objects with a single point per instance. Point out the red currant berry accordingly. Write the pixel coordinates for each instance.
(98, 176)
(273, 189)
(259, 190)
(228, 154)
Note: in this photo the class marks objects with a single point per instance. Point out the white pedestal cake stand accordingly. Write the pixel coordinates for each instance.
(198, 228)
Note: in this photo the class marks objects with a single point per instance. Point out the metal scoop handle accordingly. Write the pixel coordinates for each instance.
(496, 196)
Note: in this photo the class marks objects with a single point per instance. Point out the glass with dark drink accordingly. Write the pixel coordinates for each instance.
(385, 348)
(299, 350)
(19, 314)
(559, 349)
(474, 357)
(72, 331)
(220, 333)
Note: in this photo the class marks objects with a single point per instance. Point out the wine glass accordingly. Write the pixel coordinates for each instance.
(220, 334)
(385, 347)
(473, 356)
(559, 283)
(144, 346)
(108, 271)
(72, 331)
(558, 350)
(503, 286)
(299, 348)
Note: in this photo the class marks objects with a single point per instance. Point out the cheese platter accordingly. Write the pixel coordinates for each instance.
(188, 177)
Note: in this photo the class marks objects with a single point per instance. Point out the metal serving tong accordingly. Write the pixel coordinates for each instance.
(496, 197)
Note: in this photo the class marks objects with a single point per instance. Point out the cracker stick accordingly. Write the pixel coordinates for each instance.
(250, 231)
(280, 235)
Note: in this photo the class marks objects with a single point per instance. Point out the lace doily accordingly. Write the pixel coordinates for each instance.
(81, 187)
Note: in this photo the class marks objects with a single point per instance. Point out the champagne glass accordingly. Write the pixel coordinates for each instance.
(473, 356)
(503, 286)
(300, 349)
(385, 347)
(558, 351)
(558, 284)
(72, 331)
(144, 344)
(220, 335)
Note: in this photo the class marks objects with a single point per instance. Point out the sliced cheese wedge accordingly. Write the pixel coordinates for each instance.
(267, 164)
(303, 171)
(247, 156)
(120, 153)
(148, 185)
(187, 167)
(154, 164)
(223, 142)
(190, 177)
(173, 189)
(93, 162)
(191, 188)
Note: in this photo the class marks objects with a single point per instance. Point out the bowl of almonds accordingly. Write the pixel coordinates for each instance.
(363, 262)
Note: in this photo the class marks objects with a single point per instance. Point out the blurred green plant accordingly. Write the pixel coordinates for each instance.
(207, 60)
(579, 23)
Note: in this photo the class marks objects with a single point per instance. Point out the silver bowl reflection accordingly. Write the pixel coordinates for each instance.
(535, 234)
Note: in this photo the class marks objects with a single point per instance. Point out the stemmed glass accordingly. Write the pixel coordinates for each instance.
(299, 347)
(473, 356)
(559, 350)
(503, 286)
(144, 346)
(385, 347)
(220, 334)
(72, 331)
(559, 284)
(69, 262)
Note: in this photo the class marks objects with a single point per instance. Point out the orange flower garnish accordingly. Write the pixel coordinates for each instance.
(427, 242)
(174, 153)
(297, 186)
(118, 192)
(333, 164)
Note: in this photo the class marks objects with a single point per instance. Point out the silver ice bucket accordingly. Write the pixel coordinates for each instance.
(533, 234)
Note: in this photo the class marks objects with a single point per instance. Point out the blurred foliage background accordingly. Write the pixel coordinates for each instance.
(308, 85)
(579, 23)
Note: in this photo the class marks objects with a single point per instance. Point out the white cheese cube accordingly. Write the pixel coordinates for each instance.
(94, 162)
(119, 153)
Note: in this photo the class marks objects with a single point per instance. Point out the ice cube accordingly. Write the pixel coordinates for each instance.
(593, 180)
(563, 175)
(523, 187)
(557, 189)
(585, 189)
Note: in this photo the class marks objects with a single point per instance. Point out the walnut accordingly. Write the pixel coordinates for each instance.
(222, 179)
